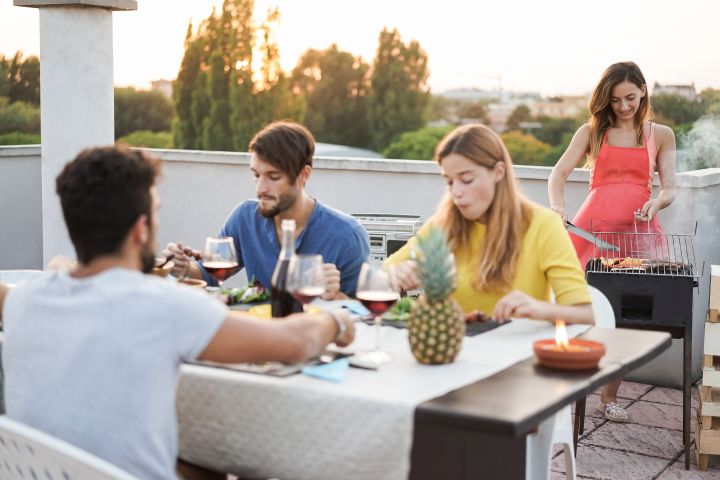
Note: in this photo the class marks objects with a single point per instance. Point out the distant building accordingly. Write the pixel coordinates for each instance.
(686, 91)
(163, 86)
(563, 106)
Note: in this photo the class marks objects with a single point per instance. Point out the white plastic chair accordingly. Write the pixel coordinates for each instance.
(19, 277)
(27, 453)
(559, 429)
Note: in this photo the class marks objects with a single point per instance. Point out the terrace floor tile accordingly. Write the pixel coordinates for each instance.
(606, 463)
(641, 439)
(659, 415)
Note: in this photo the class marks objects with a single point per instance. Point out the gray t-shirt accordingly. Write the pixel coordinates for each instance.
(95, 362)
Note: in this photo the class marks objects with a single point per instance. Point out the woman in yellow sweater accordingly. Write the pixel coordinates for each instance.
(509, 252)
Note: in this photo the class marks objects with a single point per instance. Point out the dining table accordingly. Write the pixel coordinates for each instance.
(467, 419)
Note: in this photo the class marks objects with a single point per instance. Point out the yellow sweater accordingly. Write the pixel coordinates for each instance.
(547, 260)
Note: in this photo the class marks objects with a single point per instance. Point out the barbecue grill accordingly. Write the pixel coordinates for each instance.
(650, 284)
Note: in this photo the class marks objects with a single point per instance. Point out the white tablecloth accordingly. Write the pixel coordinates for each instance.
(303, 428)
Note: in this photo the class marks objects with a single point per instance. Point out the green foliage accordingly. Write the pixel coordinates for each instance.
(676, 110)
(20, 79)
(554, 154)
(19, 138)
(475, 111)
(18, 117)
(525, 149)
(417, 145)
(141, 110)
(520, 114)
(554, 130)
(334, 85)
(220, 100)
(148, 139)
(399, 94)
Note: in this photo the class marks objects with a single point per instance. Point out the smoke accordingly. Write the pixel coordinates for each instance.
(700, 147)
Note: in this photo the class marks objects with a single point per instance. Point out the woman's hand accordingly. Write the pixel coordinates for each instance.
(519, 304)
(560, 210)
(406, 274)
(648, 211)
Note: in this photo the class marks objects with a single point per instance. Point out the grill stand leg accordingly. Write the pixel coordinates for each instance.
(687, 402)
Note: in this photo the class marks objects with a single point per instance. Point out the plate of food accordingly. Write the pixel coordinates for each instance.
(253, 292)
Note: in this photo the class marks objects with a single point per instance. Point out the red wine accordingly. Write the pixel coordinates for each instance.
(282, 303)
(220, 270)
(377, 302)
(308, 294)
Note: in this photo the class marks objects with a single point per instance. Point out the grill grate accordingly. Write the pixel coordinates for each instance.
(645, 252)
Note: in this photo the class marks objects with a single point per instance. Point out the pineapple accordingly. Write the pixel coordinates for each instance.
(436, 326)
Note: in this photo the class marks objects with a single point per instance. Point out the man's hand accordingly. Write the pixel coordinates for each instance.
(332, 281)
(183, 260)
(519, 304)
(61, 262)
(349, 335)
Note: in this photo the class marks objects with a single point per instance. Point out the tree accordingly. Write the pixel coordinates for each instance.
(675, 109)
(474, 111)
(417, 145)
(334, 86)
(20, 79)
(18, 117)
(520, 114)
(141, 110)
(399, 94)
(525, 149)
(554, 129)
(148, 139)
(185, 131)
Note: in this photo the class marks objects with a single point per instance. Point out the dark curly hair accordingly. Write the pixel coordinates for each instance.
(103, 191)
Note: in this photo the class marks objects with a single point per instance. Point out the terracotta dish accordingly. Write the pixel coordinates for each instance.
(581, 355)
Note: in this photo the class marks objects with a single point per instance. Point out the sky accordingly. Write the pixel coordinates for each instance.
(552, 46)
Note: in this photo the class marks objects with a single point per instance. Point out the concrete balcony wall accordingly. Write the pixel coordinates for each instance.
(20, 208)
(199, 189)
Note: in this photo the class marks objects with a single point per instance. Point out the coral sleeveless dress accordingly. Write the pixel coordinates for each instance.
(620, 184)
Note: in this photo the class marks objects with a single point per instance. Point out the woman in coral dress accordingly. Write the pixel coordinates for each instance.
(622, 149)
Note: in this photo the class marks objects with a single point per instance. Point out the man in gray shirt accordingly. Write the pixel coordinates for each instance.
(92, 355)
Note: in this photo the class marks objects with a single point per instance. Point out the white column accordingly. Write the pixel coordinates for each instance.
(76, 95)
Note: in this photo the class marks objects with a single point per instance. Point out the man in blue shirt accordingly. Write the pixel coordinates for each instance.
(281, 163)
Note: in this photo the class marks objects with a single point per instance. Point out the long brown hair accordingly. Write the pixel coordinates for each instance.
(508, 214)
(602, 116)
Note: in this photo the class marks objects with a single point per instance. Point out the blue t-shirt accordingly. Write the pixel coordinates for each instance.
(337, 236)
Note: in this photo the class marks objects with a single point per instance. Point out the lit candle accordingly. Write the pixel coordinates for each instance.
(562, 344)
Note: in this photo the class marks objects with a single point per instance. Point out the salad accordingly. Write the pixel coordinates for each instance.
(253, 292)
(400, 312)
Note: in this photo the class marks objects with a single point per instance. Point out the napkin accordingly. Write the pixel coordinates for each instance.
(331, 372)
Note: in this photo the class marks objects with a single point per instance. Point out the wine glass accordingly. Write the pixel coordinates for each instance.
(377, 290)
(306, 279)
(219, 258)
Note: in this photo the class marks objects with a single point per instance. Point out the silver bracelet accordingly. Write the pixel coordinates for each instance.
(341, 327)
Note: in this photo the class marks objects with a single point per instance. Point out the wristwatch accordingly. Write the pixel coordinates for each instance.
(341, 327)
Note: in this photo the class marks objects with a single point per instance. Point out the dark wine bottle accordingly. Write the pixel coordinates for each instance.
(282, 303)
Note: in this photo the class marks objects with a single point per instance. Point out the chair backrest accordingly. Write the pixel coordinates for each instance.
(18, 277)
(602, 309)
(27, 453)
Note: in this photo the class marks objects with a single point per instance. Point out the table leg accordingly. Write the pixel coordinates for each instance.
(687, 402)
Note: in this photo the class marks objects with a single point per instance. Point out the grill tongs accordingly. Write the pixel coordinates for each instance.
(590, 237)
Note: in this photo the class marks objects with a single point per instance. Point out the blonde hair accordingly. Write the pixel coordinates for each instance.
(508, 214)
(601, 114)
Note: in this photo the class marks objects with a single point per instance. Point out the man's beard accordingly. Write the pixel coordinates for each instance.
(147, 258)
(284, 202)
